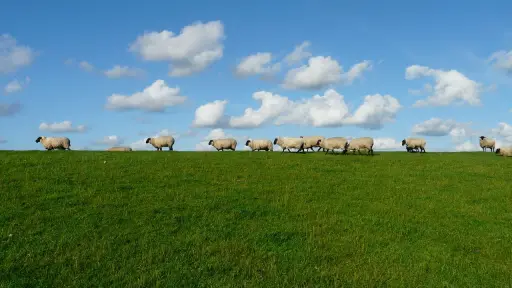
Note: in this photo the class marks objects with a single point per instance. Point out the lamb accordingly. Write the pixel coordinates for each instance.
(504, 151)
(221, 144)
(162, 141)
(311, 141)
(487, 143)
(360, 143)
(260, 144)
(415, 143)
(332, 143)
(51, 143)
(119, 149)
(288, 142)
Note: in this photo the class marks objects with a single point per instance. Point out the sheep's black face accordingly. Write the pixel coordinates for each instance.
(498, 151)
(346, 146)
(403, 142)
(38, 139)
(247, 143)
(482, 137)
(275, 141)
(211, 142)
(147, 140)
(318, 142)
(301, 136)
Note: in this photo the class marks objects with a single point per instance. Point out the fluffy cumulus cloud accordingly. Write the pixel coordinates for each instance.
(9, 109)
(257, 64)
(504, 130)
(300, 52)
(111, 140)
(154, 98)
(439, 127)
(272, 105)
(12, 55)
(64, 126)
(386, 144)
(328, 110)
(450, 87)
(210, 114)
(195, 48)
(16, 85)
(502, 60)
(84, 65)
(320, 72)
(217, 134)
(123, 71)
(467, 146)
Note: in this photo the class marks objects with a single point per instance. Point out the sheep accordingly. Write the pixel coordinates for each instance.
(288, 142)
(415, 143)
(504, 151)
(260, 144)
(50, 143)
(487, 143)
(162, 141)
(332, 143)
(311, 141)
(119, 149)
(360, 143)
(221, 144)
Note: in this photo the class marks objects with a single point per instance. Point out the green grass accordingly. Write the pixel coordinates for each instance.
(233, 219)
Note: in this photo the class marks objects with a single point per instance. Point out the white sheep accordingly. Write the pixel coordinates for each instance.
(415, 143)
(260, 144)
(221, 144)
(50, 143)
(332, 143)
(487, 143)
(360, 143)
(119, 149)
(162, 141)
(288, 142)
(311, 141)
(504, 151)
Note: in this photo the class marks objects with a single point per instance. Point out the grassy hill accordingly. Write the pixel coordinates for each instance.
(231, 219)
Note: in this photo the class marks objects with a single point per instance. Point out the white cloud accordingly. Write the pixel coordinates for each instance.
(16, 85)
(12, 55)
(438, 127)
(450, 87)
(502, 60)
(298, 53)
(259, 63)
(123, 71)
(154, 98)
(321, 72)
(375, 111)
(504, 130)
(329, 110)
(84, 65)
(64, 126)
(386, 144)
(195, 48)
(271, 106)
(112, 140)
(210, 114)
(467, 146)
(10, 109)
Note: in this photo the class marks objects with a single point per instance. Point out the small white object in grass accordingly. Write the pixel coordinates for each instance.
(10, 235)
(104, 161)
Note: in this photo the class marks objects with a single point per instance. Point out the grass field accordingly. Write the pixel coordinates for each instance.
(233, 219)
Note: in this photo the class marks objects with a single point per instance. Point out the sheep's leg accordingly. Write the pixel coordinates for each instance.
(170, 148)
(283, 151)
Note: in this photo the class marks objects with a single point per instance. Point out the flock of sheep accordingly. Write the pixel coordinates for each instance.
(286, 143)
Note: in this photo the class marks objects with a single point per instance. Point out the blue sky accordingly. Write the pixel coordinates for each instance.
(439, 70)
